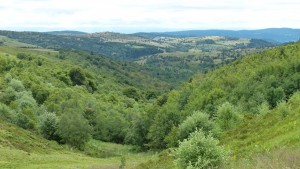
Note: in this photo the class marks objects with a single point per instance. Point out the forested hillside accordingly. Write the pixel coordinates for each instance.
(244, 86)
(89, 43)
(170, 59)
(251, 105)
(38, 86)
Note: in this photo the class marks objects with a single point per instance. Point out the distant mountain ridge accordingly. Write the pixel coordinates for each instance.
(66, 32)
(281, 35)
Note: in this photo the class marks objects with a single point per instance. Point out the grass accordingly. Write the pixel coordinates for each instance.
(23, 149)
(163, 160)
(13, 158)
(264, 134)
(104, 150)
(284, 158)
(267, 141)
(19, 139)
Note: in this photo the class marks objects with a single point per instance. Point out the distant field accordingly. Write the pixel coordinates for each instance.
(5, 41)
(45, 50)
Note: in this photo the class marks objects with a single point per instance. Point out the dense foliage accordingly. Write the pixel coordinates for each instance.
(200, 152)
(251, 85)
(66, 101)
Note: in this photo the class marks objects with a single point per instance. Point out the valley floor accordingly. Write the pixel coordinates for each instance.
(22, 149)
(13, 158)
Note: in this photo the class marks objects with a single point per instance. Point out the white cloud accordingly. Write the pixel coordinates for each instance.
(147, 15)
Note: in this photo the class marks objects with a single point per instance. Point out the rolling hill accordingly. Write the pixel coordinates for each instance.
(170, 59)
(279, 35)
(66, 32)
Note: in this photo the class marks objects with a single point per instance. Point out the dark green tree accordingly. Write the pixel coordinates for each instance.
(74, 129)
(198, 120)
(131, 93)
(227, 116)
(275, 95)
(48, 126)
(77, 76)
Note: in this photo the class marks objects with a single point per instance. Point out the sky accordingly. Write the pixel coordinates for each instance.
(128, 16)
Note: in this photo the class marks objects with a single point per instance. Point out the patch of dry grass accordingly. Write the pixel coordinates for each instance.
(284, 158)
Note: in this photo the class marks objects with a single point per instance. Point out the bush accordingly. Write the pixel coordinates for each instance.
(227, 117)
(48, 126)
(77, 76)
(21, 56)
(283, 109)
(172, 138)
(198, 120)
(14, 90)
(40, 94)
(6, 113)
(24, 121)
(131, 92)
(9, 95)
(263, 109)
(26, 100)
(200, 151)
(74, 129)
(274, 95)
(16, 85)
(295, 100)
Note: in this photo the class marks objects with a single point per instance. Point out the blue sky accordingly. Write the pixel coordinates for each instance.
(147, 15)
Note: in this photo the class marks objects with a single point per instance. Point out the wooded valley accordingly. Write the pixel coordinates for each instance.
(110, 100)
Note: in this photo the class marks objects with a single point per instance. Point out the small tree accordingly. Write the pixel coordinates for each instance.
(77, 76)
(24, 121)
(48, 126)
(21, 56)
(74, 129)
(6, 113)
(264, 108)
(283, 108)
(274, 95)
(295, 100)
(131, 92)
(198, 120)
(200, 151)
(227, 117)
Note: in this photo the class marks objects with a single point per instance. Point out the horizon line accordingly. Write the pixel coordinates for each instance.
(137, 31)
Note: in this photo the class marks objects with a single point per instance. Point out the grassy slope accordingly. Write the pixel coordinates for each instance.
(23, 149)
(269, 141)
(9, 42)
(263, 134)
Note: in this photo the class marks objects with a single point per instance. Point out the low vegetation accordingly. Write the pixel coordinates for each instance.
(200, 151)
